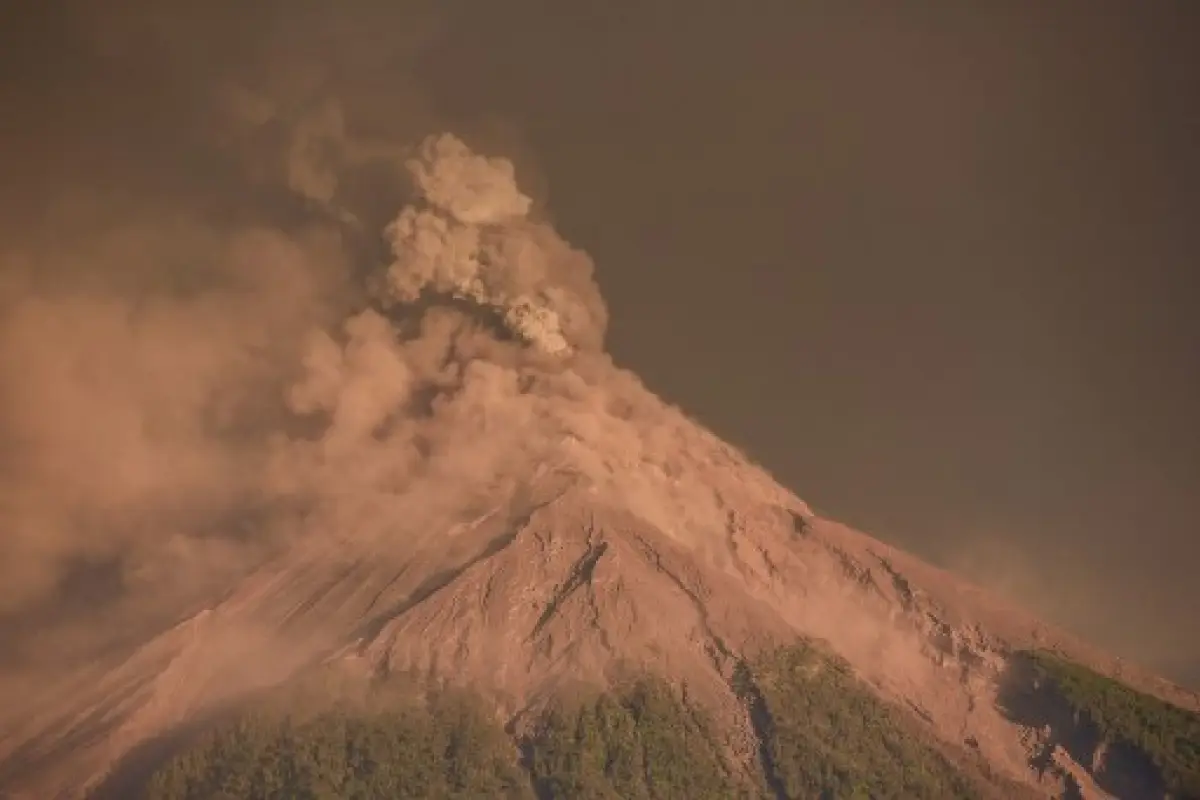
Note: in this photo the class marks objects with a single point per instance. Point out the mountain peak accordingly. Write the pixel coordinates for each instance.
(468, 492)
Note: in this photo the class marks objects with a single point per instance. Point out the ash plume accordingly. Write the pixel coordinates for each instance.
(338, 326)
(289, 326)
(473, 239)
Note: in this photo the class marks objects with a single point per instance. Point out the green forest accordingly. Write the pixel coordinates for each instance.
(1168, 736)
(819, 734)
(826, 736)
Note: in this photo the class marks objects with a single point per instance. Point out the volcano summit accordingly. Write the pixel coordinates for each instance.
(464, 497)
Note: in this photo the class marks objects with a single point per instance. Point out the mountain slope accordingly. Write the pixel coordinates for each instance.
(572, 588)
(471, 495)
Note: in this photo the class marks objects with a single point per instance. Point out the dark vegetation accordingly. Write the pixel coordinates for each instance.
(821, 735)
(643, 742)
(1168, 736)
(825, 735)
(445, 750)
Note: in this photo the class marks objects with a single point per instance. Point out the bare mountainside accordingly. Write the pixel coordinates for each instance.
(471, 494)
(569, 581)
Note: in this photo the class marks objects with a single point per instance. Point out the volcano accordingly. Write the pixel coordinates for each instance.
(481, 501)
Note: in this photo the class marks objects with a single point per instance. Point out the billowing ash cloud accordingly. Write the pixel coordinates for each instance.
(190, 358)
(472, 238)
(280, 313)
(162, 378)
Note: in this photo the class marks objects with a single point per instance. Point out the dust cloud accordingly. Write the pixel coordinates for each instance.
(253, 293)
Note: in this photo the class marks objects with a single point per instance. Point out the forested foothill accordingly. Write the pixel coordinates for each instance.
(818, 733)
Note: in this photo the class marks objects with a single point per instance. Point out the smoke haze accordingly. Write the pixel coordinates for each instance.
(264, 298)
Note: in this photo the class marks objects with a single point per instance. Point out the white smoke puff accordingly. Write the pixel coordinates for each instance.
(433, 251)
(518, 259)
(472, 239)
(537, 324)
(473, 189)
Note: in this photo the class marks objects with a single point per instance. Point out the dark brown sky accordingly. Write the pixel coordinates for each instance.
(934, 264)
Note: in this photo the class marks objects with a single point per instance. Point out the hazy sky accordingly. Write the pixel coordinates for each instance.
(932, 263)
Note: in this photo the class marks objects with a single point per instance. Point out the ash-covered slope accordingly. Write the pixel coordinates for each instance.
(478, 497)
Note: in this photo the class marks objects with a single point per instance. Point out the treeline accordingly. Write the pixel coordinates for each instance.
(641, 743)
(446, 750)
(825, 735)
(820, 735)
(1166, 735)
